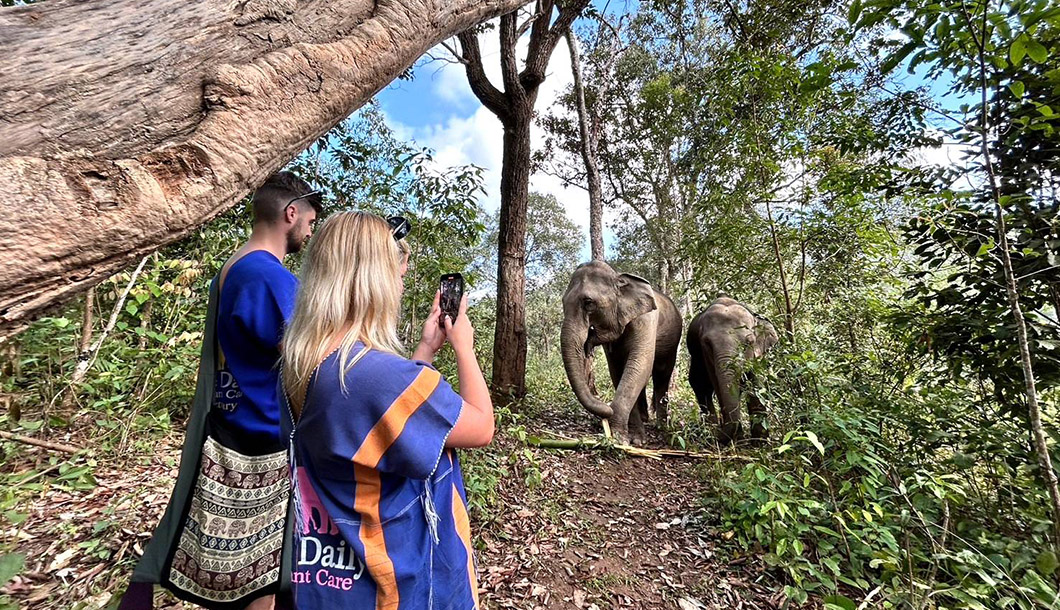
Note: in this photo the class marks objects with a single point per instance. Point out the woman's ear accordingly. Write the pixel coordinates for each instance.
(635, 298)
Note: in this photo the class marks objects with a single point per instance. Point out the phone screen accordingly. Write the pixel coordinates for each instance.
(452, 289)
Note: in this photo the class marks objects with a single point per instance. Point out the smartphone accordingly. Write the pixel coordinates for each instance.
(452, 289)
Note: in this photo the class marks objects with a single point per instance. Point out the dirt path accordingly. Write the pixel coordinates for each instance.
(597, 531)
(606, 531)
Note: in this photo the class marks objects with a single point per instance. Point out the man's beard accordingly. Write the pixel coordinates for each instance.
(294, 244)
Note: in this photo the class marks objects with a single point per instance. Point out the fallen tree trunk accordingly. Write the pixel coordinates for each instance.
(125, 125)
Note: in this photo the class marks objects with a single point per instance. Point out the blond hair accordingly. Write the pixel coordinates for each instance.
(350, 284)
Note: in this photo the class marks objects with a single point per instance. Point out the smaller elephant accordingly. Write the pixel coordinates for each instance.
(640, 331)
(721, 340)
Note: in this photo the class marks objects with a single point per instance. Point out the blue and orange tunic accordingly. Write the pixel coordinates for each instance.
(381, 508)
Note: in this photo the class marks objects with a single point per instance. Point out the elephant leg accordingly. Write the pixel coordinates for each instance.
(661, 405)
(636, 355)
(642, 406)
(636, 421)
(700, 380)
(661, 375)
(756, 411)
(727, 386)
(616, 364)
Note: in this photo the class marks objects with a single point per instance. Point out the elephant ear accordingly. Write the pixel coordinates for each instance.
(635, 298)
(765, 336)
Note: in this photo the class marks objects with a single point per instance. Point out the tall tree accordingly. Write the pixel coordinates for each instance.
(126, 125)
(989, 49)
(589, 130)
(513, 105)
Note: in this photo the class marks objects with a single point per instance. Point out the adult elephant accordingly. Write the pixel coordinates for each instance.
(639, 329)
(721, 340)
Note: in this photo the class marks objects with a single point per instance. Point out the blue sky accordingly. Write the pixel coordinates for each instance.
(437, 109)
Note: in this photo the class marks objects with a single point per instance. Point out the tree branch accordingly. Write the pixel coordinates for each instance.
(509, 61)
(529, 22)
(112, 155)
(543, 42)
(490, 96)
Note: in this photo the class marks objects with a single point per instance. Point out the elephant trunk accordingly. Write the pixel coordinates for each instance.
(573, 338)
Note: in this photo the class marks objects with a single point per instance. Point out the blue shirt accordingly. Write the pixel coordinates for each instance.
(381, 509)
(257, 299)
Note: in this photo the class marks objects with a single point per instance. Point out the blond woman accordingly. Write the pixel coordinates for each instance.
(381, 508)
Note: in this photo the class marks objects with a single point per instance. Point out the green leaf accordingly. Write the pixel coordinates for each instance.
(816, 443)
(984, 248)
(1016, 87)
(840, 601)
(15, 517)
(896, 58)
(854, 12)
(1037, 52)
(131, 308)
(10, 565)
(1018, 50)
(1046, 563)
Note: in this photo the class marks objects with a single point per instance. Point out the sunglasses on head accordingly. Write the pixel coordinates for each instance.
(309, 194)
(399, 226)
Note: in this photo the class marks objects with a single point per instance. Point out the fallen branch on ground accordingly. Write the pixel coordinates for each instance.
(603, 443)
(29, 440)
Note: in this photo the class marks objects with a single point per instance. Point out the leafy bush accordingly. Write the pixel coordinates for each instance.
(886, 495)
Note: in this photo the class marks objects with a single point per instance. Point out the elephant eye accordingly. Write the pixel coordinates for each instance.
(588, 303)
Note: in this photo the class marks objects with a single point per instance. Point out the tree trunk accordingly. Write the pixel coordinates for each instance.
(509, 339)
(86, 321)
(588, 150)
(128, 124)
(1041, 446)
(789, 313)
(514, 106)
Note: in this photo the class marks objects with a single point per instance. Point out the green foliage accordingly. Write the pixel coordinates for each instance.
(553, 243)
(143, 377)
(145, 368)
(870, 489)
(361, 165)
(958, 308)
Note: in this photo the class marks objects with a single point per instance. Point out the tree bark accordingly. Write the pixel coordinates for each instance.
(509, 339)
(514, 107)
(588, 149)
(126, 125)
(86, 321)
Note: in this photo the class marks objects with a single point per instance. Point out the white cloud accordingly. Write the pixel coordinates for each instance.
(478, 138)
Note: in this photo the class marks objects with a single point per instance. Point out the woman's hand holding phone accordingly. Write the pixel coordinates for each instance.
(460, 334)
(475, 426)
